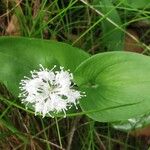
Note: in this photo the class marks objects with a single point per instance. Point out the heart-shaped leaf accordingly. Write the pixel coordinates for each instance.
(116, 80)
(18, 56)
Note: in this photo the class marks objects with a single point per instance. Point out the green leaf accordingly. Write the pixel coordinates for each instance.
(112, 37)
(138, 3)
(18, 56)
(115, 79)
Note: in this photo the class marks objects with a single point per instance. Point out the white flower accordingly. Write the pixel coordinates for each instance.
(49, 92)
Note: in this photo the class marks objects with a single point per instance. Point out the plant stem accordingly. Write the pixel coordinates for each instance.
(58, 131)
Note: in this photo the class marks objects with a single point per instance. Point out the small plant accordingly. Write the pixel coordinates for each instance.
(115, 83)
(92, 97)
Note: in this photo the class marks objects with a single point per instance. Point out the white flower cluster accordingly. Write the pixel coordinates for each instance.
(49, 92)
